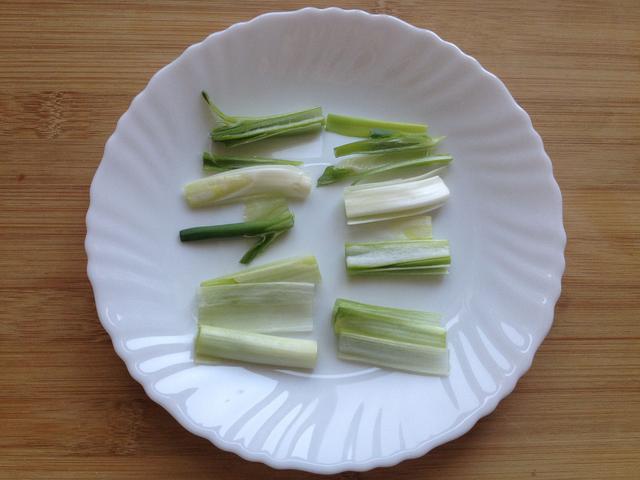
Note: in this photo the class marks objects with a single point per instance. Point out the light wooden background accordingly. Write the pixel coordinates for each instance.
(68, 70)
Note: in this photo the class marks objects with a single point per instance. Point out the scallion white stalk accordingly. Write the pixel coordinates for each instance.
(295, 269)
(278, 180)
(418, 227)
(404, 356)
(397, 256)
(258, 307)
(373, 202)
(223, 343)
(398, 338)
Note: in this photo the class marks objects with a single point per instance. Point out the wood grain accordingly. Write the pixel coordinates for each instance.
(68, 70)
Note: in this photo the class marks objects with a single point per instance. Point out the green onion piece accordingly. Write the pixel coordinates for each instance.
(333, 174)
(264, 241)
(223, 343)
(374, 202)
(429, 162)
(426, 257)
(295, 269)
(361, 127)
(265, 218)
(381, 143)
(258, 307)
(336, 173)
(399, 338)
(357, 164)
(400, 324)
(405, 356)
(277, 180)
(237, 130)
(409, 228)
(214, 163)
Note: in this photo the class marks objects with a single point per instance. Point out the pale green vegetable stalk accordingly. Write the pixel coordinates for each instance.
(414, 257)
(258, 307)
(335, 173)
(398, 338)
(239, 130)
(409, 357)
(295, 269)
(362, 127)
(400, 324)
(381, 142)
(265, 219)
(214, 163)
(394, 199)
(223, 343)
(410, 228)
(277, 180)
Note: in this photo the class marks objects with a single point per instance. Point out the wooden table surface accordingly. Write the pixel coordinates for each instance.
(68, 70)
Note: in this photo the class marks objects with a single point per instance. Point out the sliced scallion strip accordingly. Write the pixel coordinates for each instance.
(394, 199)
(258, 307)
(295, 269)
(404, 356)
(214, 163)
(335, 173)
(361, 127)
(239, 130)
(403, 339)
(389, 143)
(413, 256)
(277, 180)
(224, 343)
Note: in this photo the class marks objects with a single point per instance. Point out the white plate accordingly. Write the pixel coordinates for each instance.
(504, 221)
